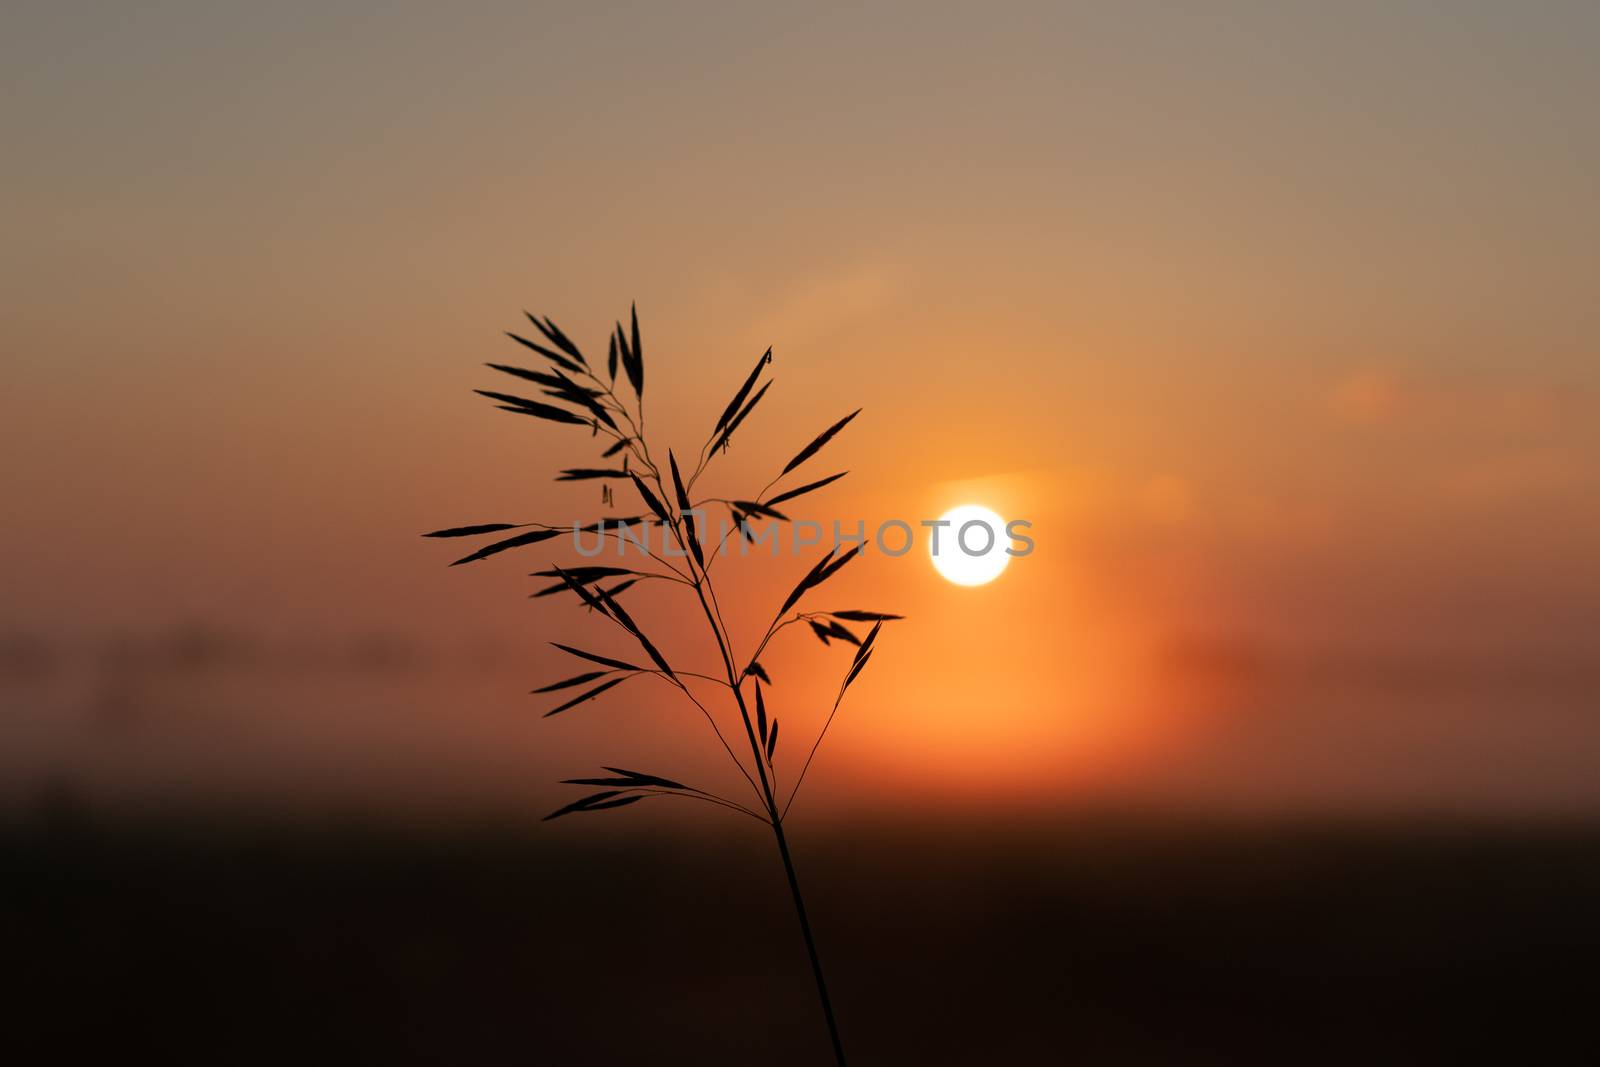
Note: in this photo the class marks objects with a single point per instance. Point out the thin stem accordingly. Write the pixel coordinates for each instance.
(635, 431)
(689, 793)
(703, 589)
(777, 627)
(717, 609)
(735, 678)
(618, 531)
(763, 795)
(706, 455)
(641, 448)
(722, 535)
(715, 554)
(811, 944)
(810, 755)
(637, 576)
(769, 485)
(686, 674)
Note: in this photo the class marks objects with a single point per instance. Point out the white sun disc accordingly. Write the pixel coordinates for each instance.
(971, 550)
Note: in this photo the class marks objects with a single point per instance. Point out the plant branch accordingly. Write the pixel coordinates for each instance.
(809, 756)
(737, 762)
(690, 793)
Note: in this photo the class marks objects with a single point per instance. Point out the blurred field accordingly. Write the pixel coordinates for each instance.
(1101, 941)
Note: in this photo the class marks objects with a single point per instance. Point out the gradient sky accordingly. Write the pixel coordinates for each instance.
(1277, 320)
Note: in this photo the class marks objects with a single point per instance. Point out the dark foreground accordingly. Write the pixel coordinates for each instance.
(1107, 943)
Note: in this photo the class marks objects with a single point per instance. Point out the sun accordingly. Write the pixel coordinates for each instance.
(971, 550)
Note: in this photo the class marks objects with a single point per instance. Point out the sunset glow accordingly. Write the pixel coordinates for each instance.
(1288, 425)
(971, 548)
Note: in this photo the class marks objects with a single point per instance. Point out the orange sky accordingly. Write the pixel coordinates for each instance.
(1278, 326)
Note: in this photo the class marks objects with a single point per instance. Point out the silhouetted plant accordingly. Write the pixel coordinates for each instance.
(579, 396)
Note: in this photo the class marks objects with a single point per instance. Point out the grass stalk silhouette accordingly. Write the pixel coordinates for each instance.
(577, 395)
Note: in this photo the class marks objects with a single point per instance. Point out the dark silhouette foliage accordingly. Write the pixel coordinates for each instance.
(575, 395)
